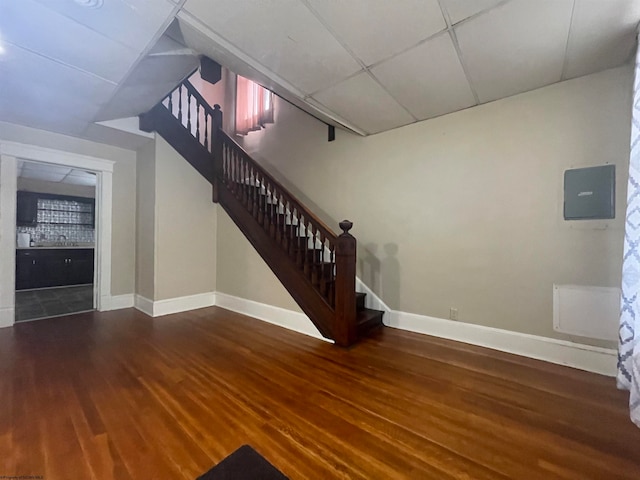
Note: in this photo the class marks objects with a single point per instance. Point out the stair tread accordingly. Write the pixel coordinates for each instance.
(368, 314)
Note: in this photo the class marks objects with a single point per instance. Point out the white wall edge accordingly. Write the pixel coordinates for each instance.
(296, 321)
(143, 304)
(8, 187)
(168, 306)
(576, 355)
(7, 316)
(118, 302)
(372, 300)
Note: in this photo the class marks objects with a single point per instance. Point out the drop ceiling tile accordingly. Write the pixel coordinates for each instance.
(43, 175)
(516, 47)
(130, 100)
(62, 98)
(428, 79)
(365, 26)
(131, 22)
(74, 180)
(458, 10)
(283, 35)
(43, 167)
(163, 69)
(603, 35)
(363, 102)
(58, 37)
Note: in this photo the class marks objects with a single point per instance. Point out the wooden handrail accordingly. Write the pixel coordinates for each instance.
(315, 265)
(326, 230)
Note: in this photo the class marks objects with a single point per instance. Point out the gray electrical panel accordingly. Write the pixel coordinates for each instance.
(589, 193)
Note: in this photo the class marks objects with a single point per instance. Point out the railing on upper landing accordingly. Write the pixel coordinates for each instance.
(191, 109)
(327, 261)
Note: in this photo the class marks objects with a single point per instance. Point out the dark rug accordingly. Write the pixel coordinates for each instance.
(243, 464)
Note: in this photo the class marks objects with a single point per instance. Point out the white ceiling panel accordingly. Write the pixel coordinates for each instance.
(56, 36)
(603, 35)
(55, 173)
(87, 182)
(365, 103)
(163, 69)
(516, 47)
(428, 80)
(131, 22)
(112, 136)
(364, 25)
(131, 100)
(68, 65)
(283, 35)
(49, 120)
(87, 179)
(458, 10)
(43, 175)
(49, 93)
(47, 168)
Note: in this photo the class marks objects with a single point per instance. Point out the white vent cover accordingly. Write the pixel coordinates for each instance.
(586, 311)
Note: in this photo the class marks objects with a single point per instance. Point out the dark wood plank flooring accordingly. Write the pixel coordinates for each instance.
(121, 395)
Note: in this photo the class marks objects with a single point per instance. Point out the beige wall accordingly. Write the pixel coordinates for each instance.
(242, 272)
(464, 210)
(124, 197)
(216, 93)
(185, 228)
(145, 220)
(41, 186)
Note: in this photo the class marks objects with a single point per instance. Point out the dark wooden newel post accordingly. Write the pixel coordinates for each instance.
(216, 149)
(345, 327)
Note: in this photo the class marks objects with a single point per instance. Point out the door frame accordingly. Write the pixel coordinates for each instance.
(10, 153)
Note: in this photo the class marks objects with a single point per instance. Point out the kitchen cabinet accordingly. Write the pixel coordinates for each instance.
(55, 267)
(27, 209)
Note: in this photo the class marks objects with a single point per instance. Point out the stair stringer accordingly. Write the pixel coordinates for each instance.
(320, 313)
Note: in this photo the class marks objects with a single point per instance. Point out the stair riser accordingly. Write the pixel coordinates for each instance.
(360, 301)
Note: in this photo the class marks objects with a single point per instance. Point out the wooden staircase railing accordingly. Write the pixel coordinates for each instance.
(314, 264)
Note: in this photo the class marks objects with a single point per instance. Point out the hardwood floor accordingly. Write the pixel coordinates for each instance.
(121, 395)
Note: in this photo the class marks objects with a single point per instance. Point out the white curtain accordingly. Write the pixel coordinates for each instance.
(629, 332)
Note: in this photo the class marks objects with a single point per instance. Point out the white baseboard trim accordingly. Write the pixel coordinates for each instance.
(143, 304)
(183, 304)
(576, 355)
(174, 305)
(117, 302)
(7, 317)
(296, 321)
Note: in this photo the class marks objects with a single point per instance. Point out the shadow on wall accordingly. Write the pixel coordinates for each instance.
(381, 275)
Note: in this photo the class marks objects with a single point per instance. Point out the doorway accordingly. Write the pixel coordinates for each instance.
(55, 240)
(10, 154)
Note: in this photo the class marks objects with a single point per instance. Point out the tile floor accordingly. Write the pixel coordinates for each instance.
(51, 302)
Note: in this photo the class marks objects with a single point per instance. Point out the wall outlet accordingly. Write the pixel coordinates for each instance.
(453, 313)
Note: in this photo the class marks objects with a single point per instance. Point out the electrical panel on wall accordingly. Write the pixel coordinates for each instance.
(589, 193)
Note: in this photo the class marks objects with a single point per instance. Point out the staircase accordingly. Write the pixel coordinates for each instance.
(315, 265)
